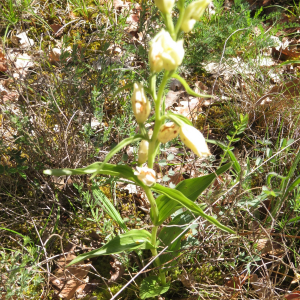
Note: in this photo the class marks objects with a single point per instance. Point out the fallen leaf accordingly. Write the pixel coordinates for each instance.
(295, 295)
(118, 270)
(190, 108)
(3, 65)
(22, 40)
(69, 280)
(56, 28)
(285, 54)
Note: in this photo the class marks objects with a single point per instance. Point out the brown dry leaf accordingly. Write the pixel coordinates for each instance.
(118, 270)
(190, 108)
(289, 90)
(21, 62)
(188, 280)
(172, 98)
(295, 295)
(236, 282)
(3, 65)
(269, 247)
(56, 28)
(285, 54)
(54, 55)
(176, 178)
(260, 287)
(69, 280)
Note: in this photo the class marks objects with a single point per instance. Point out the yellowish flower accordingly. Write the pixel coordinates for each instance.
(140, 104)
(143, 152)
(194, 140)
(165, 6)
(168, 132)
(193, 13)
(146, 175)
(165, 53)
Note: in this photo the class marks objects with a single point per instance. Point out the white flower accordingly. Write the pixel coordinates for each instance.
(143, 152)
(194, 140)
(168, 132)
(140, 104)
(165, 6)
(165, 53)
(146, 175)
(193, 13)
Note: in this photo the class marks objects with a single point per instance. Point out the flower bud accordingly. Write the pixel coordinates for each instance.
(165, 53)
(168, 132)
(165, 6)
(194, 140)
(140, 104)
(192, 13)
(143, 152)
(146, 175)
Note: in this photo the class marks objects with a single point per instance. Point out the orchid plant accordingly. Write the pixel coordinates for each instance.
(166, 54)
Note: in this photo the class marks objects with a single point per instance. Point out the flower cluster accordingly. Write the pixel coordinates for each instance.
(165, 53)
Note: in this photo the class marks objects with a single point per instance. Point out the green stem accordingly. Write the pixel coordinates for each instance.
(158, 121)
(154, 211)
(153, 86)
(170, 25)
(179, 21)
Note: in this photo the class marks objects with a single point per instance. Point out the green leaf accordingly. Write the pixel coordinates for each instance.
(150, 287)
(108, 207)
(168, 234)
(293, 185)
(236, 166)
(191, 188)
(177, 196)
(121, 145)
(178, 118)
(2, 170)
(188, 89)
(107, 169)
(131, 240)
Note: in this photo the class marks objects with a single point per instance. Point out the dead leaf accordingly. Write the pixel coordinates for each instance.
(118, 270)
(285, 54)
(289, 90)
(22, 40)
(54, 55)
(3, 65)
(236, 282)
(295, 295)
(56, 28)
(188, 280)
(21, 62)
(190, 108)
(69, 280)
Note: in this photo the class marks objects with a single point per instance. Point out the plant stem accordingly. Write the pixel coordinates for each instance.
(158, 121)
(154, 211)
(170, 25)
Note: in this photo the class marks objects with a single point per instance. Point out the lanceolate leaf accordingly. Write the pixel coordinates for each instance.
(131, 240)
(107, 169)
(178, 118)
(121, 145)
(168, 234)
(109, 207)
(188, 89)
(191, 188)
(177, 196)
